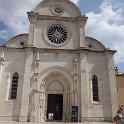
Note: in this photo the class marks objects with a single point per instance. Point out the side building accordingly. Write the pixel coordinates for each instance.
(120, 88)
(55, 68)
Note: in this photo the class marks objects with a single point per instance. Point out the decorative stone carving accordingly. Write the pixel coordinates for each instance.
(57, 9)
(41, 105)
(37, 56)
(31, 107)
(75, 65)
(83, 70)
(75, 83)
(35, 77)
(36, 69)
(2, 60)
(32, 16)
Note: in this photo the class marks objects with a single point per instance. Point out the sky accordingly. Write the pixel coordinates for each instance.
(105, 22)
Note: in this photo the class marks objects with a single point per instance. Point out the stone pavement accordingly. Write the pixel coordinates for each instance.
(54, 123)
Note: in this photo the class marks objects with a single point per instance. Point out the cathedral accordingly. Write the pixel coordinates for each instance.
(55, 69)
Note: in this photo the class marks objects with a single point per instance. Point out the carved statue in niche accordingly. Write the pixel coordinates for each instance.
(75, 63)
(41, 101)
(41, 106)
(75, 68)
(36, 67)
(75, 85)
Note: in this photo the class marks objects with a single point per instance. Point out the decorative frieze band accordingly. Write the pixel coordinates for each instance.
(34, 16)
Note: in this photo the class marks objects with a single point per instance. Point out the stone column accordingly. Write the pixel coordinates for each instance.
(82, 22)
(82, 35)
(33, 19)
(35, 116)
(2, 60)
(112, 83)
(84, 88)
(26, 86)
(36, 106)
(42, 107)
(75, 83)
(36, 99)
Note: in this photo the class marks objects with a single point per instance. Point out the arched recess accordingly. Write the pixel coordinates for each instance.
(56, 83)
(56, 76)
(45, 84)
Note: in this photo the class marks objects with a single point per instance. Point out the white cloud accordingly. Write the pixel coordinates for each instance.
(75, 1)
(108, 27)
(14, 15)
(3, 34)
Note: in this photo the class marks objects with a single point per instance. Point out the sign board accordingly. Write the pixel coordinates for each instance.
(74, 113)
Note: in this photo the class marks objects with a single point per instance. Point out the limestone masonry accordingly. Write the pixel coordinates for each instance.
(55, 69)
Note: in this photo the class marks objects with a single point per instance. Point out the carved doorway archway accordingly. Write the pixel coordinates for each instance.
(57, 92)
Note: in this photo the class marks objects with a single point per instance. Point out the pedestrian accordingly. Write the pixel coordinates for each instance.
(122, 119)
(67, 116)
(119, 116)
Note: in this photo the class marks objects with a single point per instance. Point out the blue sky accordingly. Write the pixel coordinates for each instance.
(105, 22)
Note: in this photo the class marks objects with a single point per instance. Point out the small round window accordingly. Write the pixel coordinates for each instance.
(57, 9)
(21, 44)
(57, 35)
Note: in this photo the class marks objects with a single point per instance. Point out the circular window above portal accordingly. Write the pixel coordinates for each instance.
(57, 35)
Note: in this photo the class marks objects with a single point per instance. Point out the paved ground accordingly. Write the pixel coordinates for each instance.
(53, 123)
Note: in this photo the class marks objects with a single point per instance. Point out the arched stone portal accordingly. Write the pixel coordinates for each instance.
(56, 88)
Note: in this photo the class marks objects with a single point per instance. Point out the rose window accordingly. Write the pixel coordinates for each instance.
(57, 34)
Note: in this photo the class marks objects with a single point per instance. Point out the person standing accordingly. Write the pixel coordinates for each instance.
(119, 116)
(67, 116)
(122, 118)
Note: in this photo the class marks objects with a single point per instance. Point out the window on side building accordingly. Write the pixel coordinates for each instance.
(95, 88)
(14, 86)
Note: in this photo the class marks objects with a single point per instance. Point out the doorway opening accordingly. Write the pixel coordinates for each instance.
(55, 107)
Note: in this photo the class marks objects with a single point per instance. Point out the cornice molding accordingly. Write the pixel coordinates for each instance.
(34, 16)
(48, 50)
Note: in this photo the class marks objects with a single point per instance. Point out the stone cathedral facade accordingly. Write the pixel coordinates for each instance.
(55, 68)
